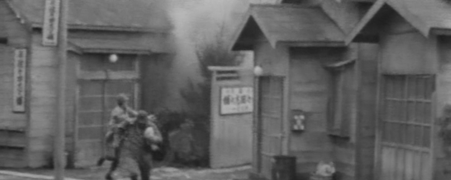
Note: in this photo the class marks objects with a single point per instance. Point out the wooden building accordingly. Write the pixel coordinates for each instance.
(136, 31)
(371, 78)
(414, 57)
(309, 70)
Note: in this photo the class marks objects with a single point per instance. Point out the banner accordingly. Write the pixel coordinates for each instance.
(20, 65)
(236, 100)
(51, 22)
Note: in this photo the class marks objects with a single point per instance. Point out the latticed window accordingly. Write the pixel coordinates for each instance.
(407, 110)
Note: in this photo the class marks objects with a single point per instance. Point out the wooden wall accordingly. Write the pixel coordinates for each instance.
(310, 90)
(73, 61)
(275, 62)
(442, 169)
(404, 50)
(43, 102)
(367, 63)
(12, 125)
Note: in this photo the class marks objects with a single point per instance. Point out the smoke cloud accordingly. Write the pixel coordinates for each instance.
(197, 22)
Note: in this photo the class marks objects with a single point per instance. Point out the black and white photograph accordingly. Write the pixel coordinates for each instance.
(225, 89)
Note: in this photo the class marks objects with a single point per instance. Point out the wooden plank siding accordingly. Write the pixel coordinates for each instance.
(12, 125)
(407, 58)
(404, 50)
(274, 62)
(43, 101)
(442, 169)
(367, 98)
(310, 90)
(71, 104)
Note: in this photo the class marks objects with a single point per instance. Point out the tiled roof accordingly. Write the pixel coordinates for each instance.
(424, 15)
(122, 15)
(292, 25)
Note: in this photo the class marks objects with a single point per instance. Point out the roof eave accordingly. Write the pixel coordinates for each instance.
(237, 34)
(266, 33)
(108, 28)
(365, 20)
(422, 27)
(312, 43)
(115, 51)
(74, 48)
(440, 31)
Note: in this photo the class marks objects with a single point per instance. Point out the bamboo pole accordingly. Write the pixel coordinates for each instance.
(59, 154)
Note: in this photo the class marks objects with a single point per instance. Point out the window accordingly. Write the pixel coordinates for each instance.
(342, 98)
(99, 62)
(407, 110)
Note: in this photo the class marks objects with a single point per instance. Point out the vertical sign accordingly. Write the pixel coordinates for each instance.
(20, 64)
(236, 100)
(51, 19)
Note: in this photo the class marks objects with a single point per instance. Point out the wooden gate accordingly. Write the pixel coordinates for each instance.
(270, 122)
(96, 99)
(406, 127)
(231, 131)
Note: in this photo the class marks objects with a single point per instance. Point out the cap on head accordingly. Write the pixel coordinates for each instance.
(122, 98)
(142, 114)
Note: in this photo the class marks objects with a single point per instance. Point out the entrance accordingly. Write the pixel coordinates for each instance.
(406, 127)
(270, 122)
(96, 99)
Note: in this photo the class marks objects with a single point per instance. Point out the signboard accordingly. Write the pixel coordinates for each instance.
(236, 100)
(20, 65)
(51, 21)
(298, 118)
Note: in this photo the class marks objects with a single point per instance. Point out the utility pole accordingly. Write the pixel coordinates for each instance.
(59, 155)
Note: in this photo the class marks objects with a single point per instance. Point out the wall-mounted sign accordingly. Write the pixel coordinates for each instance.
(298, 118)
(20, 67)
(236, 100)
(51, 21)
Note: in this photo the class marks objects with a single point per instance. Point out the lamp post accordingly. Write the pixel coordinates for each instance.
(113, 58)
(258, 71)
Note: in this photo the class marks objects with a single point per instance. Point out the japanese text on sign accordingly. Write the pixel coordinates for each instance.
(20, 62)
(236, 100)
(51, 18)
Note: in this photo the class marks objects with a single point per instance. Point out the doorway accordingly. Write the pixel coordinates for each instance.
(270, 122)
(96, 99)
(406, 127)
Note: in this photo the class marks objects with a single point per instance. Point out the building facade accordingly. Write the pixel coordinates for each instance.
(136, 32)
(371, 80)
(310, 71)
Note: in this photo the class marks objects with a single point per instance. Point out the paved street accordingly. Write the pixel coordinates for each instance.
(7, 177)
(164, 173)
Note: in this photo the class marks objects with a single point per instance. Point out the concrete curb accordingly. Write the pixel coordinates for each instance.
(32, 176)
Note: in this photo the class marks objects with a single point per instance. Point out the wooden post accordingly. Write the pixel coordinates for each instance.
(59, 154)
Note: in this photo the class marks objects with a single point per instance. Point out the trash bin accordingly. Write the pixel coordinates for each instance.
(284, 168)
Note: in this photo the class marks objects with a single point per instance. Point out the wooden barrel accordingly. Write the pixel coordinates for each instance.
(284, 168)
